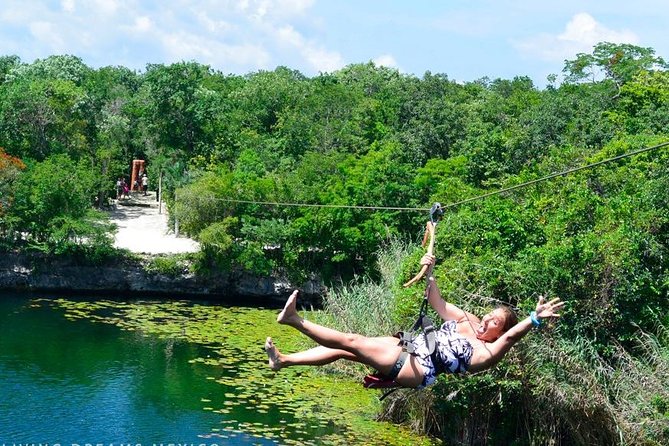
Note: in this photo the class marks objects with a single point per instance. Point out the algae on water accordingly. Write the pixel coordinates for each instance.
(294, 406)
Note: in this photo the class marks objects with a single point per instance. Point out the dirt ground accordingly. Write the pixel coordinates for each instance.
(141, 229)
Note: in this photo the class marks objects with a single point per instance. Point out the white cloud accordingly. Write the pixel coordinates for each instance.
(289, 8)
(583, 29)
(234, 35)
(288, 35)
(385, 60)
(47, 35)
(211, 25)
(107, 7)
(67, 5)
(323, 60)
(271, 9)
(580, 35)
(185, 46)
(21, 13)
(320, 59)
(142, 24)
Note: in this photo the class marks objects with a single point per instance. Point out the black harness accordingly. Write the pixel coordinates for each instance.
(422, 327)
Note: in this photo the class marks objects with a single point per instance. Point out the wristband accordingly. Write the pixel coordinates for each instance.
(535, 321)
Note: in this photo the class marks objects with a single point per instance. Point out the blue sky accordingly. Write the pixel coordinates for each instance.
(464, 39)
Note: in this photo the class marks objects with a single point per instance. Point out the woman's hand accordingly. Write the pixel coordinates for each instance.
(548, 309)
(428, 259)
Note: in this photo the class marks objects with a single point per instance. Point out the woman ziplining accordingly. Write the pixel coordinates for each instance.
(464, 343)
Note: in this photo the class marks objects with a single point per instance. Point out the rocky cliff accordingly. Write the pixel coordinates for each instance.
(19, 272)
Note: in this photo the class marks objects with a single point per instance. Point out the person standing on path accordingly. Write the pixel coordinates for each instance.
(126, 190)
(145, 183)
(119, 188)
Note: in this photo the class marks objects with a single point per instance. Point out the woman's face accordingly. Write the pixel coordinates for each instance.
(492, 325)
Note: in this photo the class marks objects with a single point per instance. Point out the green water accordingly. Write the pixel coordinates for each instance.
(77, 371)
(83, 382)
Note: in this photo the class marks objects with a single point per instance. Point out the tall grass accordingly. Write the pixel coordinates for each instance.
(367, 307)
(582, 398)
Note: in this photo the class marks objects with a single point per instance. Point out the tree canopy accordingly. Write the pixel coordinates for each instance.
(233, 150)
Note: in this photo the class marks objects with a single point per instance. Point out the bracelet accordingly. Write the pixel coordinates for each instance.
(535, 321)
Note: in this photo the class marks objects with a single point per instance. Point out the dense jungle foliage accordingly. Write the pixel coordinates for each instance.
(226, 145)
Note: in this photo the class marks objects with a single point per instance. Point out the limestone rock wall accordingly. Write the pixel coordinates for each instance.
(19, 272)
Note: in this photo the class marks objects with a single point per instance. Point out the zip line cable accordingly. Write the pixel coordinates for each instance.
(312, 205)
(557, 174)
(457, 203)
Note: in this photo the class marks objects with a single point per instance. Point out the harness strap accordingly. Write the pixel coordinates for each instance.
(378, 381)
(430, 334)
(406, 341)
(401, 359)
(439, 365)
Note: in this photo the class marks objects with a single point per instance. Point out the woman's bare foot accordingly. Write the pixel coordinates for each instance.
(273, 355)
(288, 315)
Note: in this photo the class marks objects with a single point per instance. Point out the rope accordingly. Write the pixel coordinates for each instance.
(457, 203)
(312, 205)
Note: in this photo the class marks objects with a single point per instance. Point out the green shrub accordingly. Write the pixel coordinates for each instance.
(169, 265)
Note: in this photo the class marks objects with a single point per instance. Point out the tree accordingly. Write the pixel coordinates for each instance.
(644, 104)
(25, 119)
(40, 117)
(7, 65)
(320, 120)
(618, 62)
(62, 67)
(108, 109)
(178, 106)
(10, 169)
(53, 206)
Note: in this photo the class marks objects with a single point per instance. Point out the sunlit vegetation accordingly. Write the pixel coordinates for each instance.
(372, 136)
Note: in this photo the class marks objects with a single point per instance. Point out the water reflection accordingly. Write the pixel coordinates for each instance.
(93, 383)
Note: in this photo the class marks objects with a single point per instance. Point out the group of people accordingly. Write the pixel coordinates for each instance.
(464, 343)
(140, 184)
(122, 189)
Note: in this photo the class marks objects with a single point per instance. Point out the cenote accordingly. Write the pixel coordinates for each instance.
(92, 370)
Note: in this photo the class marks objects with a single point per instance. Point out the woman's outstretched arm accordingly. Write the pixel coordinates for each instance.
(503, 344)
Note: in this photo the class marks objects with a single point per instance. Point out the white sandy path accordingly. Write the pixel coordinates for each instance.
(141, 229)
